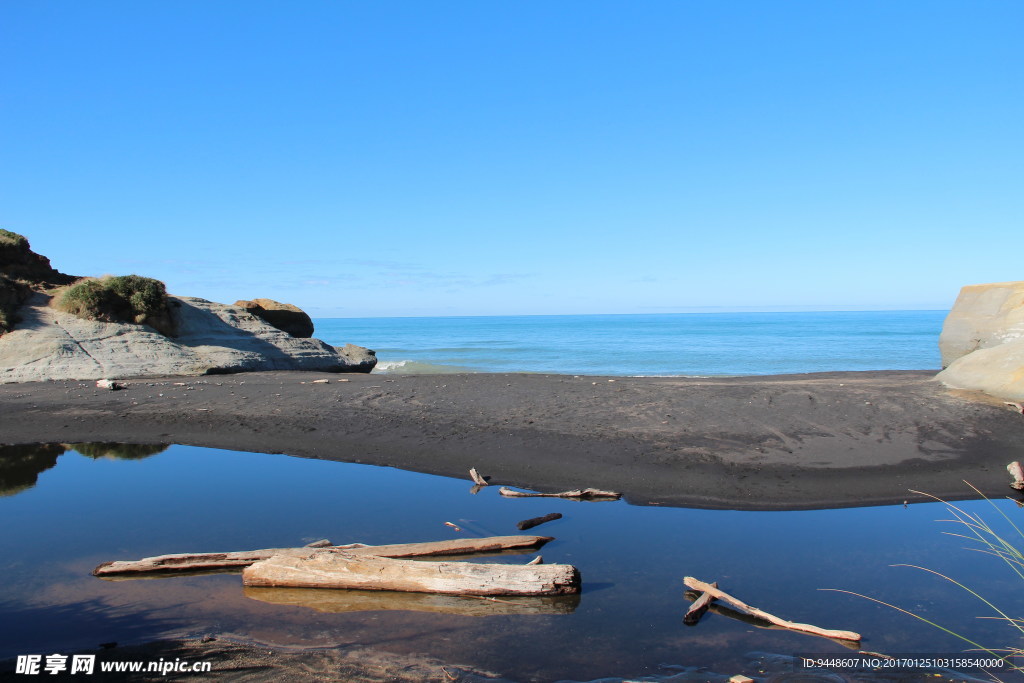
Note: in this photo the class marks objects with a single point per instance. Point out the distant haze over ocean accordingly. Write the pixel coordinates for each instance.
(690, 344)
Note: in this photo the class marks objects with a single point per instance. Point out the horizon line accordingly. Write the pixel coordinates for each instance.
(690, 311)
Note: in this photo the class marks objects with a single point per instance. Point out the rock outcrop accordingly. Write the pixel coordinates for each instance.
(982, 340)
(198, 337)
(12, 295)
(22, 271)
(360, 359)
(212, 339)
(19, 262)
(286, 317)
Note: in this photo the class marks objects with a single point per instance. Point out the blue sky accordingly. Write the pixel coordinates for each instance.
(474, 158)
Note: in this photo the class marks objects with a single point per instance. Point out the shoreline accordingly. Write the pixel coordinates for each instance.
(766, 442)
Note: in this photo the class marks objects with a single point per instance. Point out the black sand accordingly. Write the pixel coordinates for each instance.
(772, 442)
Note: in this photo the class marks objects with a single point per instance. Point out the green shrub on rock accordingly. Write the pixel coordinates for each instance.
(126, 298)
(118, 451)
(12, 240)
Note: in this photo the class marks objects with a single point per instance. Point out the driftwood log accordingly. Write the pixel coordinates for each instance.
(335, 601)
(334, 568)
(215, 562)
(708, 588)
(700, 605)
(477, 479)
(537, 521)
(1017, 472)
(758, 622)
(581, 494)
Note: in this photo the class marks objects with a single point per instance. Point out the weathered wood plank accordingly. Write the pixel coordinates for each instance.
(344, 569)
(582, 494)
(191, 562)
(456, 546)
(200, 562)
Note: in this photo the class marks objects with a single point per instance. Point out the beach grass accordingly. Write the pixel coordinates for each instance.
(1007, 547)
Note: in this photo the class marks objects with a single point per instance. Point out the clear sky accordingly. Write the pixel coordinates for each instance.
(471, 157)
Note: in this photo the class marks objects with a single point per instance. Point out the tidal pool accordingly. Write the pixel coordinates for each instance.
(66, 509)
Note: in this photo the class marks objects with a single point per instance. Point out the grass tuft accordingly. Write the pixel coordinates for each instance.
(12, 239)
(988, 541)
(126, 298)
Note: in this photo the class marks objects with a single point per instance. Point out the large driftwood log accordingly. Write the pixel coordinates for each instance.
(582, 494)
(213, 562)
(699, 585)
(335, 601)
(1017, 472)
(344, 569)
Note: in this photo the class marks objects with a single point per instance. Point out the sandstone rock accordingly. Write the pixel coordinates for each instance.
(982, 340)
(997, 371)
(12, 295)
(212, 338)
(286, 317)
(983, 316)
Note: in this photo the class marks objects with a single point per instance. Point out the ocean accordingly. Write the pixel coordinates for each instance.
(682, 344)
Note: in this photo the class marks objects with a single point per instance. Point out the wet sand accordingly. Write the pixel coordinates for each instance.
(767, 442)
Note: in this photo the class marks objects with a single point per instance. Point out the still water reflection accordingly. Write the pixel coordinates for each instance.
(66, 508)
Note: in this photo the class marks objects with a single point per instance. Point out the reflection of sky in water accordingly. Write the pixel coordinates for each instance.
(85, 511)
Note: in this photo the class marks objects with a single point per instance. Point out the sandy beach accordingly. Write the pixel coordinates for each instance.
(753, 443)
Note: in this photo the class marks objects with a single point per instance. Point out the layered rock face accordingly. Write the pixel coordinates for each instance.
(286, 317)
(212, 338)
(982, 341)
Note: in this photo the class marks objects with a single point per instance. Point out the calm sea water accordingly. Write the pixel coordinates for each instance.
(66, 508)
(675, 344)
